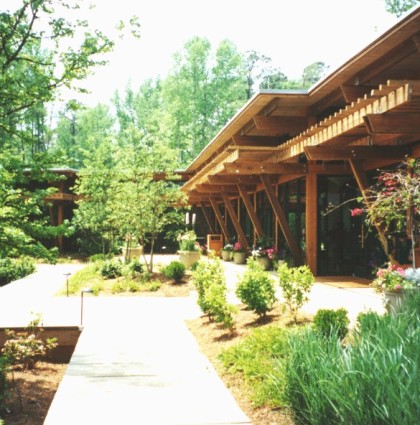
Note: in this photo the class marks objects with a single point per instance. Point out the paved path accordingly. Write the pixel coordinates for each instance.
(135, 361)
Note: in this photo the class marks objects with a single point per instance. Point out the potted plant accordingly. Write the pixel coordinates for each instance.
(189, 249)
(227, 252)
(239, 254)
(265, 254)
(394, 282)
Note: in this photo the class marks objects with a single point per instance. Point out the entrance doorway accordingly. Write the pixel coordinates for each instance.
(344, 243)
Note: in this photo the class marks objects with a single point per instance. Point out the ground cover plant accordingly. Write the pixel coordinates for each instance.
(15, 268)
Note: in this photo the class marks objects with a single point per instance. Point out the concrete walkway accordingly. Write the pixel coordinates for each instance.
(135, 361)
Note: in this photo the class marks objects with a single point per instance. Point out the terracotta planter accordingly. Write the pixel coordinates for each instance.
(239, 257)
(188, 258)
(226, 255)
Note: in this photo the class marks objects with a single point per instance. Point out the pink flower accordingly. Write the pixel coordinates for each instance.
(356, 211)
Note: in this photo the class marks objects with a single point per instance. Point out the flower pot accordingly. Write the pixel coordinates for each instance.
(226, 255)
(265, 262)
(239, 257)
(393, 301)
(188, 258)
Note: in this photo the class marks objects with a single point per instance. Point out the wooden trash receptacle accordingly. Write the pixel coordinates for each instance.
(215, 243)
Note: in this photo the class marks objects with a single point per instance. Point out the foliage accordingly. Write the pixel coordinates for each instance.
(188, 241)
(296, 283)
(26, 348)
(174, 270)
(210, 283)
(331, 323)
(255, 288)
(259, 358)
(398, 7)
(372, 381)
(395, 279)
(111, 269)
(4, 369)
(13, 269)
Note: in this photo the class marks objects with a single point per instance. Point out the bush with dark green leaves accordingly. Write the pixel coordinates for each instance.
(13, 269)
(329, 322)
(175, 270)
(111, 269)
(4, 368)
(255, 288)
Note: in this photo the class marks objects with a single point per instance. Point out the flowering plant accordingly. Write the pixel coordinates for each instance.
(238, 247)
(188, 241)
(269, 253)
(228, 247)
(392, 279)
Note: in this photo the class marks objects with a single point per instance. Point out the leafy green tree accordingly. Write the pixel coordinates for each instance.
(398, 7)
(313, 73)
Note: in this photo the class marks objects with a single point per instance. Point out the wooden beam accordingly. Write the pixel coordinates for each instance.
(363, 183)
(233, 180)
(219, 217)
(265, 168)
(235, 222)
(207, 217)
(250, 210)
(280, 124)
(340, 153)
(352, 93)
(329, 168)
(311, 225)
(246, 141)
(282, 220)
(407, 123)
(216, 188)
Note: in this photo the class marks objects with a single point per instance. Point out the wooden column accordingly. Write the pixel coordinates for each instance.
(207, 217)
(363, 183)
(282, 220)
(220, 218)
(235, 221)
(311, 225)
(250, 210)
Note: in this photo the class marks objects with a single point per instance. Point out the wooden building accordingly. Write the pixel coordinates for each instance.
(278, 163)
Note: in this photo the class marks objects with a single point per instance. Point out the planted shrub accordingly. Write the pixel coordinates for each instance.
(4, 369)
(295, 283)
(13, 269)
(111, 269)
(135, 267)
(210, 283)
(329, 323)
(26, 348)
(255, 288)
(175, 270)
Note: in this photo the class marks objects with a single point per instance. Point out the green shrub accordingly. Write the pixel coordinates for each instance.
(259, 358)
(175, 270)
(210, 282)
(111, 269)
(125, 285)
(375, 380)
(255, 288)
(295, 283)
(26, 348)
(4, 369)
(13, 269)
(135, 267)
(330, 323)
(99, 257)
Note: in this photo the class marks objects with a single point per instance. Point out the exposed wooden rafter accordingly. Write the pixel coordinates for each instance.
(247, 141)
(265, 168)
(339, 153)
(229, 179)
(407, 123)
(290, 125)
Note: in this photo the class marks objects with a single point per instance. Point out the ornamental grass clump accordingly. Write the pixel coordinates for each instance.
(374, 379)
(255, 288)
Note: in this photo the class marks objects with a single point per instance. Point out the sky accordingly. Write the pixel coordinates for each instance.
(292, 33)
